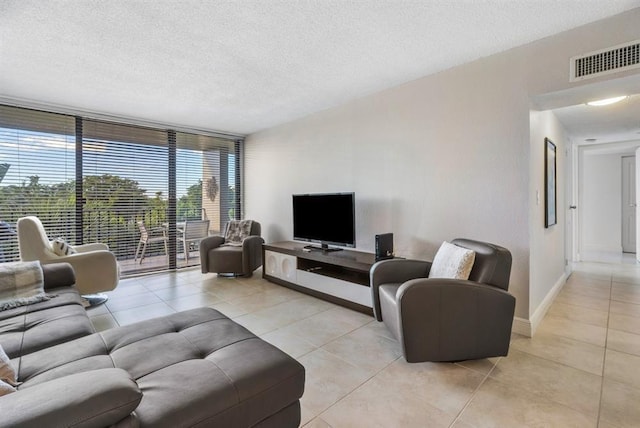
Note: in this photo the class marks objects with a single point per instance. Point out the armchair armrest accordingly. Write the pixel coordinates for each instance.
(251, 253)
(394, 271)
(96, 398)
(453, 320)
(206, 245)
(58, 275)
(96, 271)
(96, 246)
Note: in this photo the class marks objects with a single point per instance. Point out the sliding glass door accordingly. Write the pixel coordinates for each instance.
(125, 191)
(37, 175)
(204, 191)
(134, 188)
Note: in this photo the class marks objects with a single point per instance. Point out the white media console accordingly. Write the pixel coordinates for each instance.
(341, 277)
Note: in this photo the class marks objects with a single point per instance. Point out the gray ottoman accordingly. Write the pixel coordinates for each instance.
(193, 368)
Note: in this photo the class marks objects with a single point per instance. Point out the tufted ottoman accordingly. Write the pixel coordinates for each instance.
(193, 368)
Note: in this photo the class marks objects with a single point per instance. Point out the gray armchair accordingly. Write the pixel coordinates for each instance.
(438, 319)
(216, 256)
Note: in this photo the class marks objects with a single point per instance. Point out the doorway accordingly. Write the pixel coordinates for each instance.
(628, 208)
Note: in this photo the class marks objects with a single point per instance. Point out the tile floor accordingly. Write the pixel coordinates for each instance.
(582, 368)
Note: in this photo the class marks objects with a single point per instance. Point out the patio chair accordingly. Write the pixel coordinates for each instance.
(192, 232)
(152, 236)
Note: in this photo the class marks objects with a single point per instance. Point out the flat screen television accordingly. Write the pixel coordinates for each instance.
(325, 218)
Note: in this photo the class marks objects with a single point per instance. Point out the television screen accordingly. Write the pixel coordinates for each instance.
(327, 218)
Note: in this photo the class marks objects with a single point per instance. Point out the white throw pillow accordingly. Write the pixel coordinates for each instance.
(452, 262)
(61, 248)
(8, 379)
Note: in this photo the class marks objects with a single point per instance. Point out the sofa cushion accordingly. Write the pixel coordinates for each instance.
(95, 398)
(21, 283)
(452, 262)
(193, 367)
(31, 328)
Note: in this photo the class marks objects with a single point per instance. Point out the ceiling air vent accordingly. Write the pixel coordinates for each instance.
(611, 60)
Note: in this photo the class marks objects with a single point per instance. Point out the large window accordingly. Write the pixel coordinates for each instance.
(97, 181)
(37, 174)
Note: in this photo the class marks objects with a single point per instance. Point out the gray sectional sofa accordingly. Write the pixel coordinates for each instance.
(194, 368)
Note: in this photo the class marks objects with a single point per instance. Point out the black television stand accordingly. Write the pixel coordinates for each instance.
(341, 277)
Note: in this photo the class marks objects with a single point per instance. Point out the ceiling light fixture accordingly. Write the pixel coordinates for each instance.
(606, 101)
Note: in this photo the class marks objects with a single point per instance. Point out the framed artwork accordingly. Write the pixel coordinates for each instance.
(550, 185)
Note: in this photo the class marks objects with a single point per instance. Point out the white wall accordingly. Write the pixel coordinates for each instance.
(445, 156)
(601, 200)
(547, 245)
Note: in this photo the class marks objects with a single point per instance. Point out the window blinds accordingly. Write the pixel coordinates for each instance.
(37, 174)
(96, 181)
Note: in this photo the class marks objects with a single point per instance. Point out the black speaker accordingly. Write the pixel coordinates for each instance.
(384, 246)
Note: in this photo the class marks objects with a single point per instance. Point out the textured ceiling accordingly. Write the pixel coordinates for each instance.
(242, 66)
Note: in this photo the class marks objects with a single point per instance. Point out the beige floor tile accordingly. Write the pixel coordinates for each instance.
(328, 379)
(461, 424)
(182, 290)
(624, 308)
(594, 288)
(229, 290)
(160, 281)
(365, 349)
(326, 326)
(261, 300)
(291, 311)
(557, 382)
(579, 313)
(380, 405)
(620, 404)
(317, 423)
(141, 313)
(127, 290)
(121, 303)
(97, 310)
(228, 309)
(631, 276)
(590, 302)
(627, 293)
(623, 341)
(588, 333)
(193, 301)
(289, 343)
(103, 322)
(622, 367)
(498, 404)
(484, 365)
(256, 324)
(630, 324)
(445, 386)
(573, 353)
(306, 415)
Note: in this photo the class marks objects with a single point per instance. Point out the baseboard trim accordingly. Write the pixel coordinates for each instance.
(521, 326)
(544, 306)
(528, 327)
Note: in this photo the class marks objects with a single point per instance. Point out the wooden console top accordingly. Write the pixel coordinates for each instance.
(355, 260)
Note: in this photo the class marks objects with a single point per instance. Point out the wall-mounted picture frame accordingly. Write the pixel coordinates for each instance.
(550, 184)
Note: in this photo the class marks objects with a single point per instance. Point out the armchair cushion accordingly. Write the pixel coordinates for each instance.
(61, 248)
(452, 262)
(237, 231)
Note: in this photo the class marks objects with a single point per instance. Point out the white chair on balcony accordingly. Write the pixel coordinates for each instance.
(193, 232)
(150, 237)
(95, 266)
